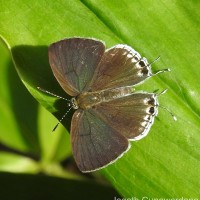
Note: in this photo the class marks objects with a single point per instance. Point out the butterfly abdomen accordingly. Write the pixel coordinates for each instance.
(88, 100)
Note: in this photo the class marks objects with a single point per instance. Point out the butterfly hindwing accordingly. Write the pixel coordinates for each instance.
(131, 115)
(120, 66)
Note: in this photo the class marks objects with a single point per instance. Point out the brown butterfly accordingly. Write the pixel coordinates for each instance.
(109, 114)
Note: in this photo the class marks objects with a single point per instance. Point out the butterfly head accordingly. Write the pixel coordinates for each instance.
(74, 103)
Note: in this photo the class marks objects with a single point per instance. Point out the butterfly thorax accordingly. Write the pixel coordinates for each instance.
(88, 100)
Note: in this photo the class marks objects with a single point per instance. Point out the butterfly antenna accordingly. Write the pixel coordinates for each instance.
(61, 119)
(52, 94)
(173, 116)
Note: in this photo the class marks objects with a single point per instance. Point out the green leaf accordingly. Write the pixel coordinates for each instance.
(165, 163)
(15, 163)
(24, 126)
(24, 186)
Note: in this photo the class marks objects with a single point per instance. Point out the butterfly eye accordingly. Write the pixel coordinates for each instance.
(74, 103)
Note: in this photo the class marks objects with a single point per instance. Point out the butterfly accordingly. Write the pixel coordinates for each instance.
(109, 114)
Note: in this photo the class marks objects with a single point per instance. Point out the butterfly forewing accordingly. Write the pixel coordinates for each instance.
(94, 143)
(120, 66)
(73, 62)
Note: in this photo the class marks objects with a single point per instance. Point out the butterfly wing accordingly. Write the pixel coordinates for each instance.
(120, 66)
(132, 115)
(94, 143)
(73, 62)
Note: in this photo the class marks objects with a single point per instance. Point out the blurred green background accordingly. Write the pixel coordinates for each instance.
(36, 163)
